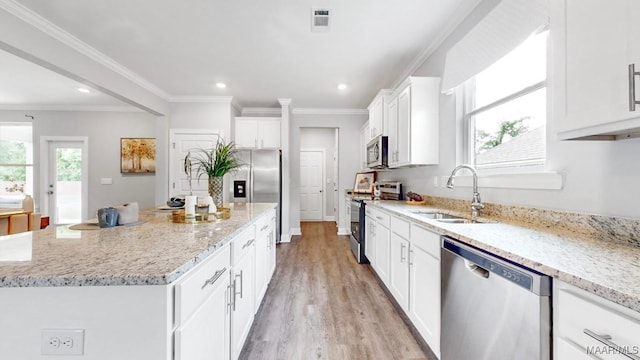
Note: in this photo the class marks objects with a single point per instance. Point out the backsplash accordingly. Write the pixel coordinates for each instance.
(622, 230)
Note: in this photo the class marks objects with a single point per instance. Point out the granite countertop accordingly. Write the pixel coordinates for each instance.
(606, 268)
(155, 252)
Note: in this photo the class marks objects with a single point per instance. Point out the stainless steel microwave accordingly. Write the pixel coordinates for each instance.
(377, 152)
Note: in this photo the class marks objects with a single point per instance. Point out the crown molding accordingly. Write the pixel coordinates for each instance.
(261, 111)
(314, 111)
(34, 19)
(433, 46)
(202, 99)
(44, 107)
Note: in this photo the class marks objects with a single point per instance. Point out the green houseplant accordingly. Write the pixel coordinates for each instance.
(215, 163)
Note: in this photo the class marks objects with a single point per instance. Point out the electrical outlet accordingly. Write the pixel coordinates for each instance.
(62, 342)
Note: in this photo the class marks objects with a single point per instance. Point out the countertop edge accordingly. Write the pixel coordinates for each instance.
(599, 289)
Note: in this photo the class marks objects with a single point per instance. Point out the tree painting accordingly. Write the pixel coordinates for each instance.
(138, 155)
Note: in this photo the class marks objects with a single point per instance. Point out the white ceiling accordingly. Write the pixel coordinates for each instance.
(27, 84)
(263, 50)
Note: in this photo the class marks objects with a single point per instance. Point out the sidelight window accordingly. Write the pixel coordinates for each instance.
(16, 163)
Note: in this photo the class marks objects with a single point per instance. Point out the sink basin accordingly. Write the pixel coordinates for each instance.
(445, 218)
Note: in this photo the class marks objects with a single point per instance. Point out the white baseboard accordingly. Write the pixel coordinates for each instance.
(329, 218)
(343, 231)
(296, 231)
(285, 238)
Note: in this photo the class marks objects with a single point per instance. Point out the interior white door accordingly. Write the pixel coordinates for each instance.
(336, 192)
(311, 181)
(181, 143)
(66, 193)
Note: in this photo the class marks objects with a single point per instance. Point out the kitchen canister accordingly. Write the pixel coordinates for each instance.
(128, 213)
(27, 203)
(107, 217)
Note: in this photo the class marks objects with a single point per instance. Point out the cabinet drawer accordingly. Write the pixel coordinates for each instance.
(425, 239)
(369, 211)
(383, 218)
(241, 244)
(400, 227)
(200, 282)
(577, 313)
(264, 225)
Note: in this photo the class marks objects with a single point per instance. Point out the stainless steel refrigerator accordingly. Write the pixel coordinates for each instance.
(259, 181)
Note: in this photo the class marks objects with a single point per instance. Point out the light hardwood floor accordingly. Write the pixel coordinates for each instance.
(321, 304)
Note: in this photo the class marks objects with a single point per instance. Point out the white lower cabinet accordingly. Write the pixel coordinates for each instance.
(589, 327)
(413, 255)
(243, 285)
(424, 285)
(399, 270)
(202, 311)
(377, 242)
(265, 255)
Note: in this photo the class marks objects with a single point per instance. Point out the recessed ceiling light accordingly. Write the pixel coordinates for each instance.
(84, 90)
(221, 85)
(342, 86)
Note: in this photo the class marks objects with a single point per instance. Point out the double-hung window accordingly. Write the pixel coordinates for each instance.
(16, 163)
(505, 109)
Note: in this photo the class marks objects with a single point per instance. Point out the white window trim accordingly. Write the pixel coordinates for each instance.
(526, 177)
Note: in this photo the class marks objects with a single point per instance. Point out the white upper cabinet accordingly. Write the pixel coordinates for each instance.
(413, 122)
(377, 118)
(593, 43)
(257, 132)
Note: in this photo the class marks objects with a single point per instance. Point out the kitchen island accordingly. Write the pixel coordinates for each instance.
(125, 287)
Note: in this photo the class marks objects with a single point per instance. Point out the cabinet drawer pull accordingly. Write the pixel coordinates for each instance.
(264, 228)
(632, 87)
(248, 243)
(379, 218)
(214, 278)
(606, 339)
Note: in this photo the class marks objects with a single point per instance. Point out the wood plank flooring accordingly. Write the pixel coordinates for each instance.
(322, 304)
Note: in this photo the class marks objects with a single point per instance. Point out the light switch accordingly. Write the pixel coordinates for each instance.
(106, 181)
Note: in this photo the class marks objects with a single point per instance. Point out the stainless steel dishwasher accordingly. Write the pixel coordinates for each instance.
(491, 308)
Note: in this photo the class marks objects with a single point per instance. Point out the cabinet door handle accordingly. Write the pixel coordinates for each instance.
(402, 257)
(229, 298)
(261, 143)
(255, 142)
(214, 278)
(632, 87)
(248, 243)
(606, 339)
(235, 290)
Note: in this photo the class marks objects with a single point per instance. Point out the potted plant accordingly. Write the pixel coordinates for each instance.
(215, 163)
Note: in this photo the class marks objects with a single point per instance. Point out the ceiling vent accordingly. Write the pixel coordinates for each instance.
(320, 19)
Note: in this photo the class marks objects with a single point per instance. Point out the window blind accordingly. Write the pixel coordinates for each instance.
(501, 31)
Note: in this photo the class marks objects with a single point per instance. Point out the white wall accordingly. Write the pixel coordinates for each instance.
(202, 115)
(322, 138)
(348, 151)
(104, 130)
(599, 177)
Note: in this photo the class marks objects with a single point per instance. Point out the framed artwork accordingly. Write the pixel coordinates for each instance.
(364, 182)
(137, 155)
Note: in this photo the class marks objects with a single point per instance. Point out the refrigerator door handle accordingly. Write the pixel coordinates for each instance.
(250, 192)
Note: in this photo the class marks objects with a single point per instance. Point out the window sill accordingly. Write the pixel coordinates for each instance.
(544, 180)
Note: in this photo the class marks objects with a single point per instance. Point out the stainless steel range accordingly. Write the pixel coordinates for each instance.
(357, 230)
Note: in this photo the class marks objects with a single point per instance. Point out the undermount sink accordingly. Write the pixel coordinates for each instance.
(445, 218)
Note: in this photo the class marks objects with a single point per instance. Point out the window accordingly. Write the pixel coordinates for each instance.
(505, 109)
(16, 163)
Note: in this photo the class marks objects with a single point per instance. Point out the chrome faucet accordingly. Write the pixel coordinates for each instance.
(476, 203)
